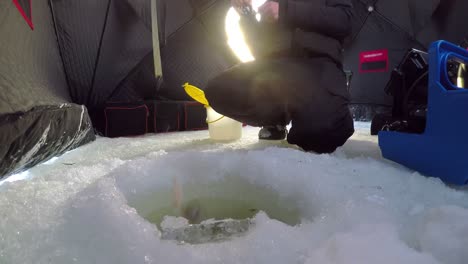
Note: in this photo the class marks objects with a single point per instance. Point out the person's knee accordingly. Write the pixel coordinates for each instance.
(219, 94)
(323, 137)
(214, 89)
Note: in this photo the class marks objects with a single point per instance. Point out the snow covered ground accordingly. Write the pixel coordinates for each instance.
(355, 207)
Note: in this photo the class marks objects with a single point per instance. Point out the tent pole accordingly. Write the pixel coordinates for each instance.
(156, 48)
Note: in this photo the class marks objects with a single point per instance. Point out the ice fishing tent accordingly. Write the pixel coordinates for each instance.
(63, 59)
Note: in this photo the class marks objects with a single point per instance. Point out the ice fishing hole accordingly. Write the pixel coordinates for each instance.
(231, 197)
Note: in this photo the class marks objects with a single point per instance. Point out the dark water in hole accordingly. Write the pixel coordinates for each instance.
(230, 198)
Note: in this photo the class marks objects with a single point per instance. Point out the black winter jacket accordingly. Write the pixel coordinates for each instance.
(319, 26)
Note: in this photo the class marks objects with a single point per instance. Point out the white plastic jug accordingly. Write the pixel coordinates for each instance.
(222, 128)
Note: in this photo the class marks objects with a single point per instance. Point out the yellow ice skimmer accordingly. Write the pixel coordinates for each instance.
(198, 95)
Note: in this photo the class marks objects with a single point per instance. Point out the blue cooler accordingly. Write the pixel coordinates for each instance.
(442, 150)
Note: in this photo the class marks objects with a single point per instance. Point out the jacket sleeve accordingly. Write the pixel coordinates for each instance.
(329, 17)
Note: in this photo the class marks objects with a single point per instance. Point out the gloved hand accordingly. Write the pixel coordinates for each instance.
(269, 11)
(241, 3)
(244, 7)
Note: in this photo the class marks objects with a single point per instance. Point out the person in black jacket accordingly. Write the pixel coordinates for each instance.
(305, 85)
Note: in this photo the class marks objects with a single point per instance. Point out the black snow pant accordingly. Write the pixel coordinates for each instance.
(308, 92)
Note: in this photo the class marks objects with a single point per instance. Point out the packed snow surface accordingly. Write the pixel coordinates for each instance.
(91, 205)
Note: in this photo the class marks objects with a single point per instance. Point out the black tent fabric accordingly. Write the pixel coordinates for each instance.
(384, 31)
(100, 48)
(103, 52)
(31, 137)
(37, 119)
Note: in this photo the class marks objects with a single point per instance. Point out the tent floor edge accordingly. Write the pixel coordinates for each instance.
(29, 138)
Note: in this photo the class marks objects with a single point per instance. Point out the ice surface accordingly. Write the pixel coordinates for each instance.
(355, 206)
(208, 231)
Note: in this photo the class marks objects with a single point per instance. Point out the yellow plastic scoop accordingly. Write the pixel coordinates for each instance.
(196, 93)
